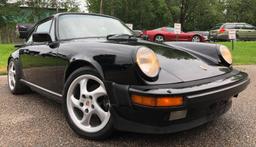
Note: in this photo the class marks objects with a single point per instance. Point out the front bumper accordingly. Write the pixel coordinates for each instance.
(204, 100)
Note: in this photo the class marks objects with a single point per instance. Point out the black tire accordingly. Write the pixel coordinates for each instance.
(237, 37)
(103, 133)
(18, 87)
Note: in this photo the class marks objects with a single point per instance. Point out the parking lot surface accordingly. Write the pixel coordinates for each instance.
(33, 120)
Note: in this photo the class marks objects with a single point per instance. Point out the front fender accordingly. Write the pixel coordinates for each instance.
(84, 60)
(205, 51)
(112, 61)
(14, 55)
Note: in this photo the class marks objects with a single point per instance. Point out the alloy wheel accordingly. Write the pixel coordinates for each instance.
(11, 75)
(196, 39)
(88, 103)
(159, 38)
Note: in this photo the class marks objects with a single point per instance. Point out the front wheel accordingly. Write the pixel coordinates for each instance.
(159, 38)
(87, 105)
(13, 79)
(196, 38)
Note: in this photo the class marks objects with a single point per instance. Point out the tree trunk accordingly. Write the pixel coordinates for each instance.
(101, 6)
(183, 12)
(112, 8)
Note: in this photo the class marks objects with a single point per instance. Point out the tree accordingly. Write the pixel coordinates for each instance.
(101, 6)
(241, 11)
(192, 14)
(141, 13)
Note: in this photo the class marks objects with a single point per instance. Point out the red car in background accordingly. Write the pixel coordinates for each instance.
(167, 34)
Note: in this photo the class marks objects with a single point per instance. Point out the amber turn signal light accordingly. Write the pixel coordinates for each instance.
(157, 101)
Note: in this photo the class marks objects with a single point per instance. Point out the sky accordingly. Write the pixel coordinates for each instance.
(82, 5)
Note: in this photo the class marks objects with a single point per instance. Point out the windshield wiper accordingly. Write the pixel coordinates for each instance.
(122, 37)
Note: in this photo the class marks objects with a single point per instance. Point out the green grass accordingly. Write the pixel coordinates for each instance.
(244, 53)
(5, 51)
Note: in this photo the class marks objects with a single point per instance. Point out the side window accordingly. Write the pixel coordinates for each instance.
(169, 29)
(52, 31)
(229, 26)
(239, 26)
(29, 41)
(44, 27)
(248, 27)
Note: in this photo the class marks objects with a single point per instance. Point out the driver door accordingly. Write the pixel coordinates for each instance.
(39, 60)
(170, 35)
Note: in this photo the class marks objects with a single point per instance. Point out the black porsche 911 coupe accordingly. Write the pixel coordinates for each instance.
(108, 79)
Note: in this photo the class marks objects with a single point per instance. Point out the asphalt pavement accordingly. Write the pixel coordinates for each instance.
(34, 120)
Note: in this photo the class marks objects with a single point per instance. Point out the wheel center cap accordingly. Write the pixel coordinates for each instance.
(87, 103)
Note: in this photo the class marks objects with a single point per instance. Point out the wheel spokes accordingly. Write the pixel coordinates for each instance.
(11, 75)
(100, 91)
(196, 39)
(13, 81)
(87, 118)
(100, 112)
(76, 103)
(83, 88)
(84, 107)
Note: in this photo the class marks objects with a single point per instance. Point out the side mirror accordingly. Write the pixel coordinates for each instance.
(42, 37)
(138, 33)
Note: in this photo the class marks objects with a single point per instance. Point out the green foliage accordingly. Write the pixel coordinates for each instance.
(192, 14)
(243, 53)
(241, 11)
(31, 11)
(5, 51)
(143, 14)
(24, 11)
(202, 15)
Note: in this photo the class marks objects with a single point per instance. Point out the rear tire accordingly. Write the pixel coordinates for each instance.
(196, 38)
(85, 96)
(13, 78)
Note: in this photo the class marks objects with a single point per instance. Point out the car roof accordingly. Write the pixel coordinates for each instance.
(235, 23)
(75, 13)
(80, 13)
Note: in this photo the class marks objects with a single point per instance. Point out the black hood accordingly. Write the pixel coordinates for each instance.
(184, 65)
(177, 65)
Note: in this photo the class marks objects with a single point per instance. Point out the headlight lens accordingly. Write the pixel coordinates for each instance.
(225, 54)
(147, 62)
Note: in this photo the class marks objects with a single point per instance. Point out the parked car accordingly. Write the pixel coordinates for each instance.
(23, 29)
(167, 34)
(108, 79)
(244, 31)
(138, 33)
(205, 34)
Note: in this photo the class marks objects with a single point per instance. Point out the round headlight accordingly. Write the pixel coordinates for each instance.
(225, 54)
(147, 62)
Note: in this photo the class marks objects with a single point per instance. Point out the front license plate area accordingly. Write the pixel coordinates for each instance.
(217, 108)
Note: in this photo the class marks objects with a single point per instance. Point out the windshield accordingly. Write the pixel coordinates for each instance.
(158, 29)
(82, 26)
